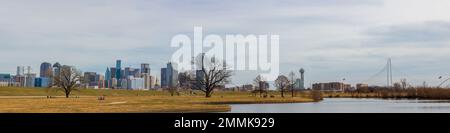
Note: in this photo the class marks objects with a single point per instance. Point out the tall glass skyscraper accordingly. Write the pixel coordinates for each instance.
(108, 74)
(118, 69)
(169, 76)
(108, 78)
(46, 70)
(119, 73)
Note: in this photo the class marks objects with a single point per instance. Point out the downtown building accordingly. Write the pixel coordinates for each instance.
(6, 80)
(332, 86)
(129, 78)
(146, 75)
(169, 77)
(94, 80)
(45, 76)
(25, 79)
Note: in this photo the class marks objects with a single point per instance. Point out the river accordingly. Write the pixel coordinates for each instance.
(349, 105)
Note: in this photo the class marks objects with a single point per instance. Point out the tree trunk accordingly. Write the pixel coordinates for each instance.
(292, 92)
(208, 94)
(67, 95)
(260, 92)
(282, 93)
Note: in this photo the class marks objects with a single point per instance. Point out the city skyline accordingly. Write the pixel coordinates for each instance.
(329, 39)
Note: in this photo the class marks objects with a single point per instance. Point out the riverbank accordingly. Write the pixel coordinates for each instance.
(122, 101)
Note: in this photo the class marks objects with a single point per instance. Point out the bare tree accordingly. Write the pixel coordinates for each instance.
(185, 80)
(67, 80)
(260, 84)
(212, 74)
(282, 83)
(403, 83)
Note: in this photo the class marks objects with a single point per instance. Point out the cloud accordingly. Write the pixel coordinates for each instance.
(417, 33)
(330, 39)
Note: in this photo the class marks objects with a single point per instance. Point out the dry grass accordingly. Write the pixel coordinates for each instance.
(111, 104)
(126, 102)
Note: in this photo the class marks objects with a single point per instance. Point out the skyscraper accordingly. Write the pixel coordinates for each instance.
(118, 73)
(118, 69)
(107, 78)
(107, 74)
(172, 75)
(90, 79)
(20, 71)
(145, 68)
(169, 76)
(164, 82)
(135, 72)
(46, 70)
(56, 69)
(145, 74)
(113, 71)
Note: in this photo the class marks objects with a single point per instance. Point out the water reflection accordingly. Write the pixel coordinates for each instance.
(349, 105)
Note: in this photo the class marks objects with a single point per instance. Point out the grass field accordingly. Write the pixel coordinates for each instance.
(34, 100)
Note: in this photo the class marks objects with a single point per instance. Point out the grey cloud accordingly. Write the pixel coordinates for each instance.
(331, 38)
(425, 34)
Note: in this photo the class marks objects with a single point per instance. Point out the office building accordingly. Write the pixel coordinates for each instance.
(131, 72)
(164, 81)
(118, 73)
(172, 75)
(30, 79)
(42, 82)
(118, 69)
(5, 80)
(90, 79)
(101, 82)
(169, 76)
(147, 81)
(145, 68)
(56, 69)
(46, 70)
(113, 71)
(107, 82)
(362, 86)
(20, 71)
(135, 83)
(332, 86)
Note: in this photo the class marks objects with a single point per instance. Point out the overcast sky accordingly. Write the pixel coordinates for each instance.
(331, 39)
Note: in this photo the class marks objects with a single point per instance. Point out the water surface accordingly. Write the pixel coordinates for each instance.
(349, 105)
